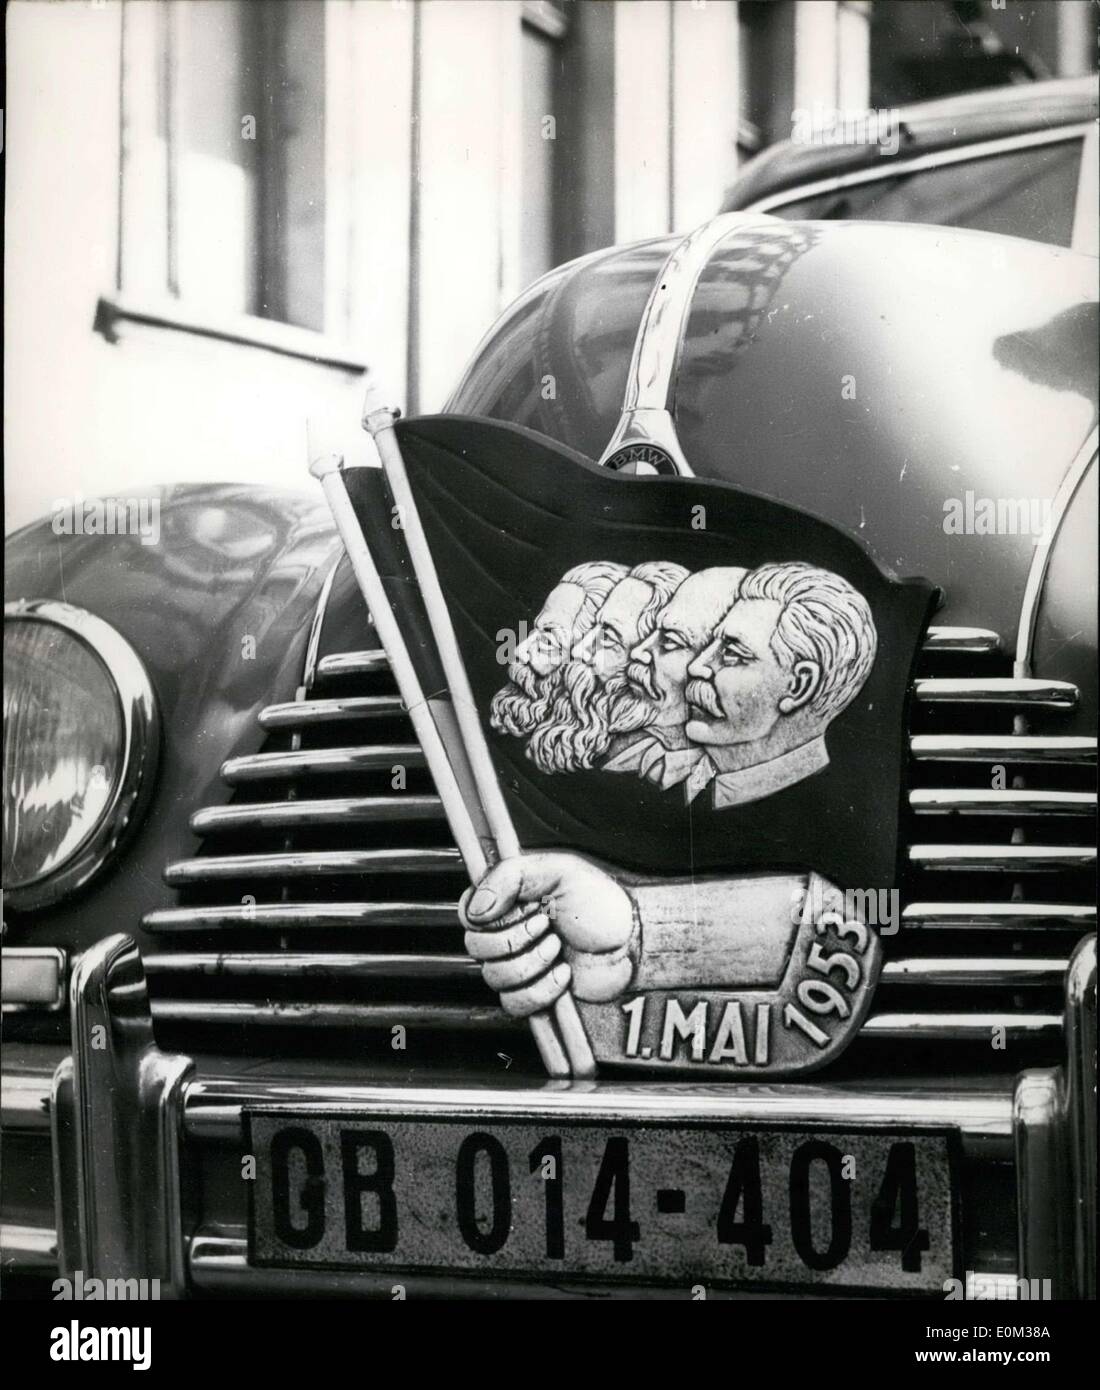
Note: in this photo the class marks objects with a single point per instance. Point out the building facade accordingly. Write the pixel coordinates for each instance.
(222, 213)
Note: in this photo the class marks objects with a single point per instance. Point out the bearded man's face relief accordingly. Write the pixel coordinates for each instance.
(538, 663)
(605, 648)
(595, 702)
(547, 645)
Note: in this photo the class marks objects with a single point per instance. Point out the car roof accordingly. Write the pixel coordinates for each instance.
(945, 123)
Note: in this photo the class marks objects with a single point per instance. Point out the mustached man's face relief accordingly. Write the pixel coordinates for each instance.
(605, 647)
(658, 668)
(740, 689)
(549, 642)
(791, 654)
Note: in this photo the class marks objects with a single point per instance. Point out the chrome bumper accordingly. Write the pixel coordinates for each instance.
(123, 1116)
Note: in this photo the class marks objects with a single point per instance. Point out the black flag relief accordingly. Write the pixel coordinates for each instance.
(675, 676)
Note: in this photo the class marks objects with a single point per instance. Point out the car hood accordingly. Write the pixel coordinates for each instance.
(886, 378)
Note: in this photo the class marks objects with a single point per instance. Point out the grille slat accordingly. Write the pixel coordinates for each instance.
(306, 864)
(362, 663)
(298, 714)
(979, 916)
(995, 690)
(964, 971)
(436, 1018)
(296, 916)
(962, 1027)
(335, 810)
(971, 641)
(346, 965)
(1002, 858)
(313, 762)
(1003, 748)
(975, 801)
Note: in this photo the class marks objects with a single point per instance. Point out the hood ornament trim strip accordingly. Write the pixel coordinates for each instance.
(646, 433)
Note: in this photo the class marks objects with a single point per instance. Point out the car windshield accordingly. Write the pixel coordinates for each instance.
(1027, 193)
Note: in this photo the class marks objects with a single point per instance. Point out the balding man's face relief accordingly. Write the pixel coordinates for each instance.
(739, 690)
(606, 645)
(659, 665)
(549, 642)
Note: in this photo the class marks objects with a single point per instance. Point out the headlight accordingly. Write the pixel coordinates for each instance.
(80, 745)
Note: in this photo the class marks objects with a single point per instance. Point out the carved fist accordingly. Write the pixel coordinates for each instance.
(540, 920)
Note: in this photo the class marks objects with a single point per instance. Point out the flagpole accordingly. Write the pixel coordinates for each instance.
(378, 421)
(329, 471)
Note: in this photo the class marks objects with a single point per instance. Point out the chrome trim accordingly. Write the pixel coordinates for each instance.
(260, 767)
(450, 1018)
(309, 669)
(25, 1098)
(25, 989)
(335, 810)
(1043, 1217)
(1004, 858)
(998, 916)
(1081, 1110)
(27, 1247)
(137, 705)
(335, 965)
(974, 640)
(116, 1123)
(303, 863)
(218, 1263)
(362, 663)
(296, 714)
(645, 419)
(968, 801)
(295, 916)
(895, 168)
(1003, 748)
(961, 1027)
(1036, 577)
(213, 1106)
(996, 690)
(1008, 971)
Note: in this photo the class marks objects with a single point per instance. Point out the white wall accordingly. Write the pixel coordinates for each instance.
(81, 414)
(468, 260)
(161, 405)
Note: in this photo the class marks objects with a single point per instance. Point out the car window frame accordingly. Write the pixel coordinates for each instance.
(1083, 236)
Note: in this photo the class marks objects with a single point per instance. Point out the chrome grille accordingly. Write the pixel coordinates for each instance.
(321, 901)
(345, 886)
(1001, 853)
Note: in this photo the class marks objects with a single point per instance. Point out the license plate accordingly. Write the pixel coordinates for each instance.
(709, 1204)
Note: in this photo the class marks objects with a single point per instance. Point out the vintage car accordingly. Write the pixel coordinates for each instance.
(1018, 160)
(231, 943)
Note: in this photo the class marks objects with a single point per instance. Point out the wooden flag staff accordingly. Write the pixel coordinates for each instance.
(378, 421)
(464, 812)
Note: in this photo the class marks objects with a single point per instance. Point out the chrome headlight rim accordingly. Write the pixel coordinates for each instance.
(140, 750)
